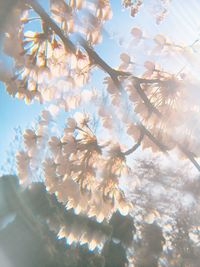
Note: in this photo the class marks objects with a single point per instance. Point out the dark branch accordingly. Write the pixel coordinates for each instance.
(135, 147)
(46, 18)
(161, 146)
(190, 156)
(94, 57)
(148, 104)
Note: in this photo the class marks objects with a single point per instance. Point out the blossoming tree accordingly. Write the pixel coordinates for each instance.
(130, 141)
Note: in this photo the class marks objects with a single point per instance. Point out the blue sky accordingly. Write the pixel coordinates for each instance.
(14, 113)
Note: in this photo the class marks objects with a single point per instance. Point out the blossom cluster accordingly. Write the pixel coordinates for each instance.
(79, 171)
(41, 58)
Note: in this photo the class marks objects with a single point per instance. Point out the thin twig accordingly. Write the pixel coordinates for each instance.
(135, 147)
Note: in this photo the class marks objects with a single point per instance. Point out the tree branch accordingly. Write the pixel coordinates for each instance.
(147, 102)
(114, 74)
(135, 147)
(47, 19)
(161, 146)
(190, 156)
(94, 57)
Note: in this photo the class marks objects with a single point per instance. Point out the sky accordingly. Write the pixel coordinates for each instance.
(183, 17)
(14, 113)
